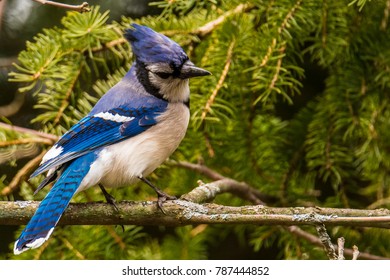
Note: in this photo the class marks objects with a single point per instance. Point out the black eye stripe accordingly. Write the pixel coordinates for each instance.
(163, 75)
(176, 69)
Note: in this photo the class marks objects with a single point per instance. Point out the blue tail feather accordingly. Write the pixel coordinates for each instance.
(49, 212)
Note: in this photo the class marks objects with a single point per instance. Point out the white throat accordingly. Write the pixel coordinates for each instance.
(172, 89)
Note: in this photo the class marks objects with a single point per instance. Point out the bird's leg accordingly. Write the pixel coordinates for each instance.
(109, 198)
(162, 196)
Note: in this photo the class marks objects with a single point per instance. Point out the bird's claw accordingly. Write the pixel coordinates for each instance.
(109, 198)
(162, 197)
(112, 201)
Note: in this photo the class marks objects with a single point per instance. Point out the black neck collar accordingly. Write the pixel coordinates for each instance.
(143, 78)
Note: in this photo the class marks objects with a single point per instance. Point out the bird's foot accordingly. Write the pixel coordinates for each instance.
(162, 196)
(109, 198)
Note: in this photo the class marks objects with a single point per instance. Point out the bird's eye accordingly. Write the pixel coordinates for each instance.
(163, 75)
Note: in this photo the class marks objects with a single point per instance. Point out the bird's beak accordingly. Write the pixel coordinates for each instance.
(189, 70)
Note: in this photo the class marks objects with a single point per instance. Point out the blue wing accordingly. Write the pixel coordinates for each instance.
(101, 129)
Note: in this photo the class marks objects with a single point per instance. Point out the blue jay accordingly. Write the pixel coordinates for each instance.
(131, 130)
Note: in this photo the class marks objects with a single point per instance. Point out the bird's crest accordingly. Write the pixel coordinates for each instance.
(152, 47)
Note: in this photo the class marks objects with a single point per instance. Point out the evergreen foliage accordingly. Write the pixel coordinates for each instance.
(297, 107)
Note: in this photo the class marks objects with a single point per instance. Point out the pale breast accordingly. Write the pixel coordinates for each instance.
(142, 154)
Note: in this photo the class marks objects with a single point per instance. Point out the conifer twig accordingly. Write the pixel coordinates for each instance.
(278, 67)
(324, 20)
(118, 240)
(206, 29)
(82, 8)
(201, 32)
(289, 16)
(68, 94)
(269, 52)
(281, 28)
(385, 18)
(292, 165)
(72, 248)
(110, 44)
(221, 81)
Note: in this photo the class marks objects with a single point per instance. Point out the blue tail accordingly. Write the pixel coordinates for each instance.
(49, 212)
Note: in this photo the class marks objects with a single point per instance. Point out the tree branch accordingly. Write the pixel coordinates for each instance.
(82, 8)
(316, 241)
(326, 241)
(241, 189)
(182, 212)
(251, 195)
(340, 244)
(28, 168)
(19, 129)
(22, 174)
(25, 141)
(186, 211)
(356, 253)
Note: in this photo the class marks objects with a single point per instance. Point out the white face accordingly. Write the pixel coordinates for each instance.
(172, 88)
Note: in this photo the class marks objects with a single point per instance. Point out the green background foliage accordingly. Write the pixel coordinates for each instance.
(297, 107)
